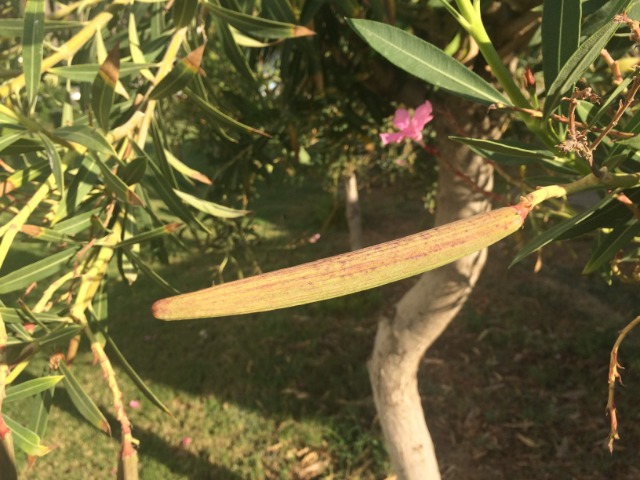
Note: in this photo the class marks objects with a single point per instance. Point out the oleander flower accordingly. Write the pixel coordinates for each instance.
(409, 126)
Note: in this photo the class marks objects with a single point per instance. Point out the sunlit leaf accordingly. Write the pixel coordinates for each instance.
(30, 388)
(45, 234)
(9, 138)
(186, 170)
(77, 223)
(36, 271)
(32, 48)
(103, 88)
(210, 208)
(560, 35)
(40, 410)
(85, 136)
(116, 186)
(426, 61)
(14, 27)
(25, 439)
(54, 162)
(87, 72)
(179, 77)
(257, 26)
(87, 407)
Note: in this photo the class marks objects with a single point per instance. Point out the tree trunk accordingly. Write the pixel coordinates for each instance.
(352, 210)
(423, 314)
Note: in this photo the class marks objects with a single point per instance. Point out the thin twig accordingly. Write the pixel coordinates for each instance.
(614, 375)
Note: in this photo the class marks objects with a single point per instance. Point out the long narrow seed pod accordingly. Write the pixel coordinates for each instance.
(347, 273)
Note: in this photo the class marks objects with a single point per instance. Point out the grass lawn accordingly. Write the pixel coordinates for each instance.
(514, 389)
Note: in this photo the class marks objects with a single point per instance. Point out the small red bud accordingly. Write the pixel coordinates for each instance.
(529, 79)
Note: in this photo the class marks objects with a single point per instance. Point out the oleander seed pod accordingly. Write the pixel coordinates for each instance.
(349, 272)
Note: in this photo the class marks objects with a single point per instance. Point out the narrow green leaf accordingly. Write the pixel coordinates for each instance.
(221, 118)
(86, 136)
(87, 72)
(426, 61)
(507, 147)
(576, 65)
(87, 408)
(142, 386)
(8, 139)
(24, 177)
(186, 170)
(146, 236)
(159, 155)
(31, 387)
(83, 181)
(36, 271)
(46, 234)
(32, 48)
(560, 35)
(558, 230)
(611, 244)
(54, 162)
(77, 223)
(117, 186)
(133, 172)
(257, 26)
(14, 27)
(40, 410)
(25, 439)
(233, 52)
(179, 77)
(14, 315)
(166, 193)
(22, 146)
(136, 51)
(103, 88)
(150, 272)
(210, 208)
(183, 12)
(59, 336)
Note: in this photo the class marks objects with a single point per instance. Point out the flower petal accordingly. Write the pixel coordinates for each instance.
(401, 119)
(392, 137)
(423, 115)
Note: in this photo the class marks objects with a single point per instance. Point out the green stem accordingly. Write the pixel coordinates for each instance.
(607, 180)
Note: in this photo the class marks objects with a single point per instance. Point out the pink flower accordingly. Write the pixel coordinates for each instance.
(186, 441)
(134, 404)
(410, 127)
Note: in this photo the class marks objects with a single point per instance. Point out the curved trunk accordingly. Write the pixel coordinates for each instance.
(423, 314)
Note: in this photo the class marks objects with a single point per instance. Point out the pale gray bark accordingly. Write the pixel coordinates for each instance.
(422, 315)
(352, 210)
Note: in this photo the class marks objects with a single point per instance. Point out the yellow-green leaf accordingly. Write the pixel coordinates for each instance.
(31, 387)
(103, 88)
(36, 271)
(183, 12)
(54, 162)
(32, 40)
(85, 136)
(210, 208)
(87, 407)
(25, 439)
(260, 27)
(180, 76)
